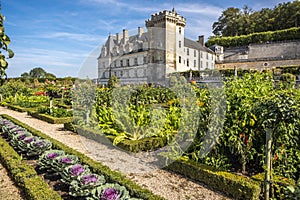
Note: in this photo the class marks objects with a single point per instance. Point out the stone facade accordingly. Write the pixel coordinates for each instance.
(150, 56)
(259, 56)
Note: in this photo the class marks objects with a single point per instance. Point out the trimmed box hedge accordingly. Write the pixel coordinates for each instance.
(111, 176)
(135, 146)
(24, 175)
(19, 108)
(238, 187)
(50, 119)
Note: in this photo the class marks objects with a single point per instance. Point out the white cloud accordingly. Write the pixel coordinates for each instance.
(201, 9)
(72, 36)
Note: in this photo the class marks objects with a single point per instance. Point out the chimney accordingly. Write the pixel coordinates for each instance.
(140, 31)
(125, 35)
(201, 39)
(118, 37)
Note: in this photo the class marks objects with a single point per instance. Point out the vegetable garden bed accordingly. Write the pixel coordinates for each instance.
(135, 146)
(95, 167)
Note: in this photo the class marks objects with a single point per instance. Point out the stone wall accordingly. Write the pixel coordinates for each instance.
(258, 64)
(282, 50)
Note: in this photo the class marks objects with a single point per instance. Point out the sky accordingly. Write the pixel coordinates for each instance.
(64, 37)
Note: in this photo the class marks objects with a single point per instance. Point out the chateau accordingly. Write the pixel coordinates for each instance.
(151, 55)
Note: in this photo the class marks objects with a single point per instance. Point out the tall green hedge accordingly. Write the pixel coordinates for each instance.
(256, 38)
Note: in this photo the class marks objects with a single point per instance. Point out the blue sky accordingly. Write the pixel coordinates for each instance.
(64, 36)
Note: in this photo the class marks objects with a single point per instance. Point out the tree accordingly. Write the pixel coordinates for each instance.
(113, 82)
(37, 72)
(235, 21)
(25, 75)
(227, 22)
(4, 42)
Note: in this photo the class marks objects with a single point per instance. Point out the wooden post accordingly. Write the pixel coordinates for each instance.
(268, 163)
(51, 105)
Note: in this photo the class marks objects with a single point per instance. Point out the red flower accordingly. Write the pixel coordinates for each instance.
(246, 139)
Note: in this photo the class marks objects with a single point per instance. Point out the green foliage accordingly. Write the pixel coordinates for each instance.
(113, 82)
(4, 42)
(56, 112)
(256, 38)
(235, 21)
(287, 81)
(38, 72)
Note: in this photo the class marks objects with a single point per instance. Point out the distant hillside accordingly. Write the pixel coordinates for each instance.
(236, 22)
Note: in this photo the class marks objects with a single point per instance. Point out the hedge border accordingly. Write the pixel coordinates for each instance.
(134, 146)
(24, 175)
(238, 187)
(96, 167)
(50, 119)
(19, 108)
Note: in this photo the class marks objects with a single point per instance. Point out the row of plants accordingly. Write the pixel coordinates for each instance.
(81, 181)
(24, 175)
(85, 177)
(255, 38)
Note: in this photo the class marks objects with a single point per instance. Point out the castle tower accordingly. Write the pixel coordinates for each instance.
(166, 32)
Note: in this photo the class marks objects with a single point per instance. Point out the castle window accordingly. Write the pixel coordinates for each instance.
(195, 53)
(135, 61)
(121, 63)
(187, 62)
(187, 51)
(121, 73)
(194, 63)
(179, 44)
(127, 62)
(201, 55)
(179, 30)
(179, 59)
(207, 56)
(145, 59)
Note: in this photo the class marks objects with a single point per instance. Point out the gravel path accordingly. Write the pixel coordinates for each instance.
(137, 167)
(8, 190)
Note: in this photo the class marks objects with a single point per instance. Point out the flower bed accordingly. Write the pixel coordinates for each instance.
(97, 168)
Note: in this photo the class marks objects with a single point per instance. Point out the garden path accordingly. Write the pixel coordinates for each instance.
(8, 190)
(138, 167)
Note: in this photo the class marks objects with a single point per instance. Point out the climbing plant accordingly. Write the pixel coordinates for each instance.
(5, 52)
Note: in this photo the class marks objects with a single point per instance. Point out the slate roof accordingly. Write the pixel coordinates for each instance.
(196, 45)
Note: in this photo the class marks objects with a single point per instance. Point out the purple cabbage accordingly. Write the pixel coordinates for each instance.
(90, 178)
(110, 194)
(76, 170)
(52, 155)
(65, 160)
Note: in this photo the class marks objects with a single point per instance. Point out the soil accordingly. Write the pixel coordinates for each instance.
(8, 190)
